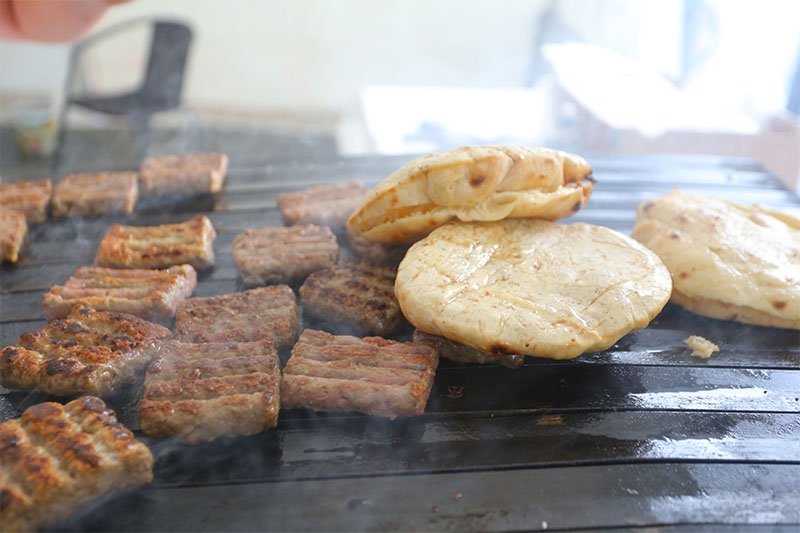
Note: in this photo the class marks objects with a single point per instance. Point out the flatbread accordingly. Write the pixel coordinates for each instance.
(727, 261)
(473, 183)
(531, 287)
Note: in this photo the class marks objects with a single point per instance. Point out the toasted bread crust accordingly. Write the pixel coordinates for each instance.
(531, 287)
(357, 294)
(95, 194)
(727, 261)
(370, 375)
(13, 230)
(284, 254)
(189, 242)
(31, 197)
(56, 457)
(326, 205)
(263, 313)
(472, 183)
(90, 352)
(186, 174)
(149, 294)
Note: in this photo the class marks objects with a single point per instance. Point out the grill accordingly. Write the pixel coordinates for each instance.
(640, 435)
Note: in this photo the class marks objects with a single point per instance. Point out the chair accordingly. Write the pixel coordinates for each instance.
(159, 90)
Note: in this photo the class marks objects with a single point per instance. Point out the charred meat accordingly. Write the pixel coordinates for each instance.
(185, 175)
(327, 205)
(359, 295)
(264, 313)
(95, 194)
(462, 353)
(189, 242)
(13, 229)
(31, 197)
(371, 375)
(200, 392)
(274, 255)
(377, 253)
(89, 352)
(150, 294)
(56, 457)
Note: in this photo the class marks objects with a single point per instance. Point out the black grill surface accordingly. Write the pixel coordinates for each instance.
(640, 435)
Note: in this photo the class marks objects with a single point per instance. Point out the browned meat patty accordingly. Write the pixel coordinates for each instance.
(186, 174)
(201, 392)
(189, 242)
(150, 294)
(327, 205)
(90, 352)
(95, 194)
(376, 252)
(56, 457)
(284, 254)
(31, 197)
(265, 313)
(465, 354)
(359, 295)
(13, 229)
(371, 375)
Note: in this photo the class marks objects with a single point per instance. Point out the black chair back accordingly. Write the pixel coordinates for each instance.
(163, 81)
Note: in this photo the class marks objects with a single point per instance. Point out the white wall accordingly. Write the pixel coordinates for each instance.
(254, 56)
(315, 54)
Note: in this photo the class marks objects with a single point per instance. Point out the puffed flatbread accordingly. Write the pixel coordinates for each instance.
(473, 183)
(531, 287)
(727, 261)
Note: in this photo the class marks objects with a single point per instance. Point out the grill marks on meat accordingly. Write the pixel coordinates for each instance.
(376, 252)
(371, 375)
(264, 313)
(326, 205)
(187, 174)
(189, 242)
(150, 294)
(90, 352)
(200, 392)
(13, 229)
(56, 457)
(95, 194)
(462, 353)
(31, 197)
(360, 295)
(284, 254)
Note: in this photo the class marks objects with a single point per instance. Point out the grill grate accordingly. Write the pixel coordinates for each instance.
(640, 435)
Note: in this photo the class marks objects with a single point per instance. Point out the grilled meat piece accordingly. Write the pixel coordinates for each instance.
(200, 392)
(371, 375)
(150, 294)
(359, 295)
(31, 197)
(265, 313)
(326, 205)
(186, 174)
(465, 354)
(189, 242)
(95, 194)
(13, 229)
(284, 254)
(56, 457)
(377, 253)
(90, 352)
